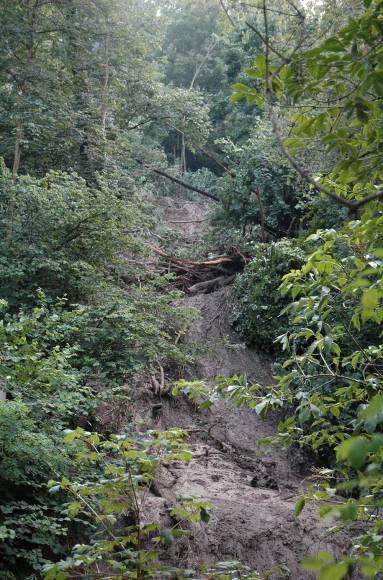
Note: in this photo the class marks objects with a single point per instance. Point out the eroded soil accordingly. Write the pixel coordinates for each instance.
(252, 489)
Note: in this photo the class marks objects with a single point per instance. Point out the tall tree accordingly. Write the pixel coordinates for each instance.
(33, 98)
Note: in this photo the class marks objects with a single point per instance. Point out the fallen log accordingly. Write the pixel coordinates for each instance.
(209, 263)
(210, 285)
(202, 276)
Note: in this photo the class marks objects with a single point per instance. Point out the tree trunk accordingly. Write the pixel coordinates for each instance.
(17, 154)
(3, 392)
(105, 89)
(264, 234)
(183, 155)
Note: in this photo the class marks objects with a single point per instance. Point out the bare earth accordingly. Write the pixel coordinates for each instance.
(253, 490)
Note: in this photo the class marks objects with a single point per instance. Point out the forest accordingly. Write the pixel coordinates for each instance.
(191, 289)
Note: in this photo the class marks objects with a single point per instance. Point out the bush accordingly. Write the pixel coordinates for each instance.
(257, 307)
(43, 395)
(132, 332)
(61, 236)
(52, 358)
(260, 181)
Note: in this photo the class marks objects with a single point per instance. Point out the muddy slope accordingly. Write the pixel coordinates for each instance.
(252, 490)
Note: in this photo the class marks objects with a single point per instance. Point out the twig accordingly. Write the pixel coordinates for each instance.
(266, 43)
(225, 9)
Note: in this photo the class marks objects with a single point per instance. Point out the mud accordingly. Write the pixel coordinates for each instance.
(252, 489)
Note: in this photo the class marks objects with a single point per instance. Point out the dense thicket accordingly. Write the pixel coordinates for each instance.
(274, 111)
(81, 315)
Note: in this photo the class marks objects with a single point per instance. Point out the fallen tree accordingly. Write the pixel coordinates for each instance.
(203, 276)
(211, 285)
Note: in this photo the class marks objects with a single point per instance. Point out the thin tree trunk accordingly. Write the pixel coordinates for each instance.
(183, 155)
(105, 89)
(3, 391)
(24, 84)
(17, 153)
(264, 234)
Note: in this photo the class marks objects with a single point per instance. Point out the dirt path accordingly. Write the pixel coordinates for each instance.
(253, 490)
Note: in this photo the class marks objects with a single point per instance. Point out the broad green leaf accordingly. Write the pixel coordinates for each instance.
(316, 563)
(300, 504)
(371, 298)
(334, 572)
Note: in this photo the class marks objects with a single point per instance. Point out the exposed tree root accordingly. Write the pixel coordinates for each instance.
(159, 386)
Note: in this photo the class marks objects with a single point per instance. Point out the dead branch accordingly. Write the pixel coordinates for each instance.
(203, 276)
(178, 181)
(187, 221)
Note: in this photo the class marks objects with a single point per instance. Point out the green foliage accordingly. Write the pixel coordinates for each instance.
(53, 361)
(64, 96)
(240, 393)
(63, 237)
(132, 333)
(38, 371)
(346, 71)
(113, 500)
(191, 38)
(332, 379)
(197, 391)
(33, 528)
(236, 390)
(192, 509)
(327, 567)
(260, 188)
(331, 385)
(337, 369)
(27, 454)
(44, 393)
(256, 313)
(349, 126)
(82, 90)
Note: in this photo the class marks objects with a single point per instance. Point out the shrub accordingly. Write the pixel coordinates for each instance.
(130, 333)
(257, 307)
(61, 236)
(260, 186)
(32, 528)
(112, 497)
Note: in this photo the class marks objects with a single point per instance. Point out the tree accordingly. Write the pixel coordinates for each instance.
(332, 378)
(32, 79)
